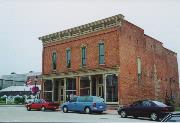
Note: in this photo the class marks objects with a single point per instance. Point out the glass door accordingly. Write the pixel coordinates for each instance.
(111, 88)
(61, 92)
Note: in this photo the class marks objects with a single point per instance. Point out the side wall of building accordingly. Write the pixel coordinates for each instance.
(158, 65)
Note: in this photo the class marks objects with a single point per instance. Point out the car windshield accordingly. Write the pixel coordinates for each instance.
(43, 101)
(159, 104)
(98, 99)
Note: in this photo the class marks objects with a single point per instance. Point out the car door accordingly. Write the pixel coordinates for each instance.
(72, 104)
(37, 104)
(137, 109)
(34, 104)
(81, 103)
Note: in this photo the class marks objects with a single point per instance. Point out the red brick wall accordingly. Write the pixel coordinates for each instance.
(109, 37)
(128, 36)
(157, 66)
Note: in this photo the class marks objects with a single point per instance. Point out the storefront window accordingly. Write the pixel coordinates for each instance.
(70, 87)
(56, 90)
(48, 96)
(48, 90)
(111, 88)
(84, 86)
(48, 85)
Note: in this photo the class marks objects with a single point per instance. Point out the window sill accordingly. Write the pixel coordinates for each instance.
(54, 71)
(102, 64)
(69, 68)
(83, 66)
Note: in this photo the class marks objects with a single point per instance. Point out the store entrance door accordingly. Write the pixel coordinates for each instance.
(61, 91)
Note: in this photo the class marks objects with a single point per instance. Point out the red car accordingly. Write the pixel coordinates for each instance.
(41, 104)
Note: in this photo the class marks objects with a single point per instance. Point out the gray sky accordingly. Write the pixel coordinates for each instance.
(23, 21)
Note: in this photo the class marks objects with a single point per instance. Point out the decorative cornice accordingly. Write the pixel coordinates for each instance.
(83, 29)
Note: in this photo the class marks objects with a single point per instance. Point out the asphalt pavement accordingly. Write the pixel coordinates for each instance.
(20, 114)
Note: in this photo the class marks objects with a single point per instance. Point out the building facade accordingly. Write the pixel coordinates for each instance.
(111, 58)
(14, 79)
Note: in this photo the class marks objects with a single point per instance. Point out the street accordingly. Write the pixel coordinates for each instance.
(20, 114)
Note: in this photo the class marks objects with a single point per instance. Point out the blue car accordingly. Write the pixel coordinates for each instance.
(87, 104)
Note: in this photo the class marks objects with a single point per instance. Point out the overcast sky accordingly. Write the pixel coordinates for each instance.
(23, 21)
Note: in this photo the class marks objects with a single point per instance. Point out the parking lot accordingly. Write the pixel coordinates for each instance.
(20, 114)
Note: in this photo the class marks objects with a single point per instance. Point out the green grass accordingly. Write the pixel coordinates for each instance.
(177, 109)
(10, 104)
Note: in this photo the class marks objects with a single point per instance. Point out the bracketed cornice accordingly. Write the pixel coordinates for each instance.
(83, 29)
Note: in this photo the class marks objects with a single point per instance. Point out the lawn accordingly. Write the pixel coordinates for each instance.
(177, 109)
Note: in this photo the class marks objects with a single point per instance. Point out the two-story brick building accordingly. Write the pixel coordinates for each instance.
(111, 58)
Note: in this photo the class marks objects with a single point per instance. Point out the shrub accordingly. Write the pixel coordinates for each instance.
(19, 100)
(2, 100)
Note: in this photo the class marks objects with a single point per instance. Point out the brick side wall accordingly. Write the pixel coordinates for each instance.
(129, 35)
(158, 66)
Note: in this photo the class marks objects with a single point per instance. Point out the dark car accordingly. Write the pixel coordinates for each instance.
(87, 104)
(172, 117)
(41, 104)
(146, 108)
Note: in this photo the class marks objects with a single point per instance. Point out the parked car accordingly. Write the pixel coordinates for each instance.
(41, 104)
(146, 108)
(87, 104)
(29, 101)
(171, 117)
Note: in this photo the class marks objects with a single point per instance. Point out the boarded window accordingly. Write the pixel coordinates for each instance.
(139, 68)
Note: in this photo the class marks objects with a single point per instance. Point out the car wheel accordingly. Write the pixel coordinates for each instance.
(87, 110)
(154, 116)
(43, 108)
(123, 114)
(100, 112)
(65, 109)
(135, 116)
(29, 108)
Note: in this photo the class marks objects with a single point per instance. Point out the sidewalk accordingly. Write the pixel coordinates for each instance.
(113, 112)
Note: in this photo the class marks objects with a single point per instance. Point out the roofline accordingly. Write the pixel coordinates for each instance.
(95, 26)
(153, 38)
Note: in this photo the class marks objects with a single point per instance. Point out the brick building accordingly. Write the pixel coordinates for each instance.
(111, 58)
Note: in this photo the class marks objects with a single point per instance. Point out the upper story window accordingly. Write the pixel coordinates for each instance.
(54, 61)
(68, 58)
(101, 53)
(83, 56)
(139, 68)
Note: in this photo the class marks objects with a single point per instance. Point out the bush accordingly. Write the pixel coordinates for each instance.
(2, 100)
(19, 100)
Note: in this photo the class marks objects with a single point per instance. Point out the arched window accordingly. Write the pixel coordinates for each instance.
(68, 58)
(101, 53)
(54, 61)
(83, 56)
